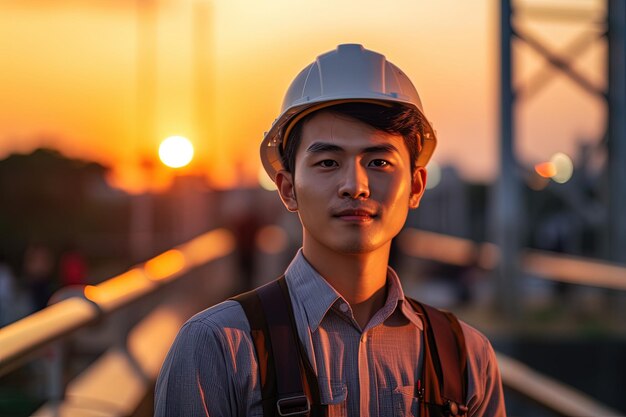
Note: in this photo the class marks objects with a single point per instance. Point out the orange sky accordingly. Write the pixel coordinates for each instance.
(69, 78)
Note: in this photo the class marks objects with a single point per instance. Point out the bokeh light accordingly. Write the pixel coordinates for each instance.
(272, 239)
(545, 169)
(434, 175)
(560, 168)
(265, 181)
(564, 167)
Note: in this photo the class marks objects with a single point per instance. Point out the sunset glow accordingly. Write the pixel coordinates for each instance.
(106, 81)
(176, 151)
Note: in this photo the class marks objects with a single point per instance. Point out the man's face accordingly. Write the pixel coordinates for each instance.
(353, 184)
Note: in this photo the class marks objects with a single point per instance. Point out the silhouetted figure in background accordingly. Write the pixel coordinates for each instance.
(72, 267)
(243, 221)
(37, 274)
(8, 291)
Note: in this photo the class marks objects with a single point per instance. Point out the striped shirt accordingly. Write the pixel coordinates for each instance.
(211, 368)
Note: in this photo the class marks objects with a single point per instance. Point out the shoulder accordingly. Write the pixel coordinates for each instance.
(212, 353)
(216, 337)
(218, 331)
(480, 354)
(226, 315)
(475, 341)
(479, 350)
(485, 396)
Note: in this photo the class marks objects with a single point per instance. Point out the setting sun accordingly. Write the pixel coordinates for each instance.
(176, 151)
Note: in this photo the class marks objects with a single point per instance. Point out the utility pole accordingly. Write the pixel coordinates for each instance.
(506, 202)
(617, 130)
(141, 216)
(203, 76)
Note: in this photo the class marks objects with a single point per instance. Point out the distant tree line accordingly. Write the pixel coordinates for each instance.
(62, 203)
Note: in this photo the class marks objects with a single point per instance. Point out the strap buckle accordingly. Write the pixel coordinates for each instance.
(293, 406)
(454, 409)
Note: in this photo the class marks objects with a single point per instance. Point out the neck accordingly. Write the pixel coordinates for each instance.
(360, 278)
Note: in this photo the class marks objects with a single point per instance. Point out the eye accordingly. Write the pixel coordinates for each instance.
(327, 163)
(379, 163)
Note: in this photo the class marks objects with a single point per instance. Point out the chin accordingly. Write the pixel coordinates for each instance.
(349, 242)
(354, 247)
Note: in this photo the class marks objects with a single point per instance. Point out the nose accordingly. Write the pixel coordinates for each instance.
(355, 183)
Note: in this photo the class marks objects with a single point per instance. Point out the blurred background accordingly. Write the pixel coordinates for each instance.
(132, 194)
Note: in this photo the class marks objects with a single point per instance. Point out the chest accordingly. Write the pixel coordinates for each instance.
(374, 372)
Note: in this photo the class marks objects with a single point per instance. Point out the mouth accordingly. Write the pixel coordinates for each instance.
(355, 215)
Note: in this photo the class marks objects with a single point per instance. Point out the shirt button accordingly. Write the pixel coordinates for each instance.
(364, 338)
(344, 307)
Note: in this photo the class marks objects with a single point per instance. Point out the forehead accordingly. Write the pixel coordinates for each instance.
(347, 132)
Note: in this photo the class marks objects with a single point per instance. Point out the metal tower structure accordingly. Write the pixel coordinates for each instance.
(204, 75)
(609, 24)
(616, 98)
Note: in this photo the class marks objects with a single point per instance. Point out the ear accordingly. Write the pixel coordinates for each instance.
(286, 190)
(417, 187)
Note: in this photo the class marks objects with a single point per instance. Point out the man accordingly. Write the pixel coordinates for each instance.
(348, 154)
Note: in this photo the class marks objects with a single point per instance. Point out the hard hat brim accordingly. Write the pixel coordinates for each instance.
(272, 145)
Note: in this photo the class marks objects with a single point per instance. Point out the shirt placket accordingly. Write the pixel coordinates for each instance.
(364, 375)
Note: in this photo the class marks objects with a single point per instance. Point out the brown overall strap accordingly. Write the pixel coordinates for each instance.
(251, 305)
(281, 357)
(444, 373)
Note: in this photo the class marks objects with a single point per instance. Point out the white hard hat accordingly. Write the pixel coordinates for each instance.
(350, 73)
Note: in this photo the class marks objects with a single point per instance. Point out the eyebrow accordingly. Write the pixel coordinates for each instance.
(318, 147)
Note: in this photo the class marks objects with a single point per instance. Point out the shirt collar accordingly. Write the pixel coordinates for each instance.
(315, 296)
(396, 298)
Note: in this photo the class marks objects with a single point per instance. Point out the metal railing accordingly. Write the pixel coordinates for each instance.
(21, 339)
(542, 264)
(549, 392)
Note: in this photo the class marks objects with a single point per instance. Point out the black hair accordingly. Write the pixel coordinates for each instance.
(396, 120)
